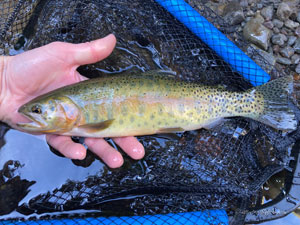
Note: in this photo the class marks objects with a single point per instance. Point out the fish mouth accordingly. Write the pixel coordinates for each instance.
(36, 123)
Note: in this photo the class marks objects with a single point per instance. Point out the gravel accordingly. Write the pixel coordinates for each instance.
(273, 27)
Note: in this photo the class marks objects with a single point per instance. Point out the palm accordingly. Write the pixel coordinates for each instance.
(38, 75)
(47, 68)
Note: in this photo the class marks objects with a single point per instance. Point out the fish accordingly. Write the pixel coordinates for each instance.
(135, 104)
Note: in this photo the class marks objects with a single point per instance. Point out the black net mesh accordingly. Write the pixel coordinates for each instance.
(223, 168)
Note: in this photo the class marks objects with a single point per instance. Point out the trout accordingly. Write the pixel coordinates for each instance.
(150, 103)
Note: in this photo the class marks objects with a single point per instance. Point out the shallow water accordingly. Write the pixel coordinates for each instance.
(39, 164)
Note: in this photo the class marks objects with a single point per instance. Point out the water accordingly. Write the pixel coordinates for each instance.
(39, 164)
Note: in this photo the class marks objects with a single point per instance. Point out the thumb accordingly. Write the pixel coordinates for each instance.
(90, 52)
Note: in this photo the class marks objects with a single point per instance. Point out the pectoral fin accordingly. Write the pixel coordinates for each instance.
(170, 130)
(94, 127)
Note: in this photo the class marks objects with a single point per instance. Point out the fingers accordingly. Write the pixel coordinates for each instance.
(91, 52)
(108, 154)
(131, 146)
(100, 147)
(66, 146)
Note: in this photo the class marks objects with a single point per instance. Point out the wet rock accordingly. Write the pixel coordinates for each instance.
(267, 12)
(269, 24)
(292, 40)
(297, 45)
(244, 3)
(297, 31)
(278, 23)
(276, 48)
(257, 33)
(233, 13)
(250, 13)
(284, 31)
(295, 59)
(291, 24)
(279, 39)
(298, 68)
(270, 58)
(259, 6)
(284, 61)
(276, 30)
(292, 3)
(287, 52)
(264, 59)
(283, 11)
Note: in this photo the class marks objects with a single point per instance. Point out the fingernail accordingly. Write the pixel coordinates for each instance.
(79, 155)
(138, 152)
(116, 161)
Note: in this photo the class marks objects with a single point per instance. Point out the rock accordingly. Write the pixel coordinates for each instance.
(276, 30)
(250, 13)
(291, 40)
(264, 59)
(278, 23)
(279, 39)
(237, 17)
(269, 24)
(283, 61)
(257, 33)
(287, 52)
(259, 6)
(297, 46)
(291, 24)
(297, 31)
(244, 3)
(267, 12)
(233, 13)
(298, 16)
(283, 11)
(284, 31)
(295, 59)
(292, 3)
(276, 48)
(298, 68)
(270, 58)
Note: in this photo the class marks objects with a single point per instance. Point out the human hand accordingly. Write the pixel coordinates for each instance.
(38, 71)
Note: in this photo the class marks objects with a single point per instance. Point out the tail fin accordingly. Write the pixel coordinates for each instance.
(276, 112)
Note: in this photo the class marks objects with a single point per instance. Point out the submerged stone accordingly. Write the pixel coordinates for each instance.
(284, 61)
(283, 11)
(297, 46)
(287, 52)
(233, 13)
(267, 12)
(279, 39)
(257, 33)
(298, 68)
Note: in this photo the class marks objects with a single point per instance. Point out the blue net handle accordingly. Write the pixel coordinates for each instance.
(216, 40)
(207, 217)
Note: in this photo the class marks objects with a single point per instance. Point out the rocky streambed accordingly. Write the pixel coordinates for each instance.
(272, 27)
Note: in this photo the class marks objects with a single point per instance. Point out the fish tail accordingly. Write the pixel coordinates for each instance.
(272, 102)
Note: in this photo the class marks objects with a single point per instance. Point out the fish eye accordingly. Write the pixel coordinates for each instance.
(36, 109)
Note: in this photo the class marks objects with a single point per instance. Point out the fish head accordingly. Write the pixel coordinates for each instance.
(49, 114)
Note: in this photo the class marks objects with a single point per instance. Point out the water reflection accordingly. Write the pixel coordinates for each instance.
(37, 163)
